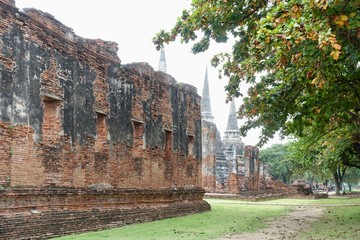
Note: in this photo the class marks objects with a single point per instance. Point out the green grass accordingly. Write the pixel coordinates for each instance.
(329, 201)
(222, 220)
(233, 217)
(332, 200)
(336, 223)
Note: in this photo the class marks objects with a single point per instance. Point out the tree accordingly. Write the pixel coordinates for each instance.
(276, 156)
(305, 162)
(352, 177)
(306, 51)
(324, 157)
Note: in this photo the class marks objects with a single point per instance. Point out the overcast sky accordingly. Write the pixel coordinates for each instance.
(132, 24)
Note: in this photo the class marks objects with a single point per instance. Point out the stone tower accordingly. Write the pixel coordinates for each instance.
(162, 62)
(232, 128)
(209, 140)
(206, 113)
(233, 146)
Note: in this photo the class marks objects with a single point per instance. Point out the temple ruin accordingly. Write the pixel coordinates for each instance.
(86, 142)
(229, 166)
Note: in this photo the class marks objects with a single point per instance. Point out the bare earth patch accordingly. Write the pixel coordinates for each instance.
(284, 227)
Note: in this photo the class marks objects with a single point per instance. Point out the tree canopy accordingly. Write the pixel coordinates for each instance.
(277, 157)
(300, 58)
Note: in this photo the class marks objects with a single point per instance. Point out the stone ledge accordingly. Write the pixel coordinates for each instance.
(23, 200)
(44, 225)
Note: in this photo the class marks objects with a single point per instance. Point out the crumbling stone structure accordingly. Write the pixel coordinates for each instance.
(228, 165)
(209, 156)
(86, 142)
(254, 175)
(209, 140)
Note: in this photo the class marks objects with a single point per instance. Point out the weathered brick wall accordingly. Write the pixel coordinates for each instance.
(234, 187)
(255, 178)
(5, 153)
(73, 117)
(209, 131)
(79, 107)
(252, 163)
(44, 213)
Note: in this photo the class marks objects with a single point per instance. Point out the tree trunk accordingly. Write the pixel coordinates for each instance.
(338, 177)
(337, 187)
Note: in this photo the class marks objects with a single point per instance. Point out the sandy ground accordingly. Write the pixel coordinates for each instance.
(284, 227)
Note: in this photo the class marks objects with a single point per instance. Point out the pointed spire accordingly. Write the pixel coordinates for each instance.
(162, 62)
(232, 119)
(232, 132)
(205, 100)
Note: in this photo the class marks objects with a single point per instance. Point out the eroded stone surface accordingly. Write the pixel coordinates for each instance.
(74, 121)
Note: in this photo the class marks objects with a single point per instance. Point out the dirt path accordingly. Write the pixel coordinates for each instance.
(284, 227)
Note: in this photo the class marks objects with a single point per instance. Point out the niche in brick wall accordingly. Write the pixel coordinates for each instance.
(52, 120)
(101, 142)
(190, 170)
(168, 144)
(168, 154)
(191, 142)
(138, 139)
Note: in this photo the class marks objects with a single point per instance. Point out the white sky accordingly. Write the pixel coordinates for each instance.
(132, 24)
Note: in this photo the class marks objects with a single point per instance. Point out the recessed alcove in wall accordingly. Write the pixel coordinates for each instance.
(168, 140)
(138, 137)
(101, 131)
(191, 142)
(168, 153)
(52, 127)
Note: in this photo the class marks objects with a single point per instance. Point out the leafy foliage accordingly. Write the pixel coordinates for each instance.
(307, 52)
(325, 157)
(352, 176)
(277, 157)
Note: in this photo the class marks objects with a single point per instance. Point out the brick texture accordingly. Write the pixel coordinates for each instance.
(209, 132)
(87, 142)
(41, 214)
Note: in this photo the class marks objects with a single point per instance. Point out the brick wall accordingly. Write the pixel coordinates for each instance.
(209, 131)
(43, 213)
(72, 117)
(5, 153)
(88, 113)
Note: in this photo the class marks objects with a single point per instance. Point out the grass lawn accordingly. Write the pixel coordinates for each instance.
(232, 216)
(327, 201)
(223, 219)
(337, 223)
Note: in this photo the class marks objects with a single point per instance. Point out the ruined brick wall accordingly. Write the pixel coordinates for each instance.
(5, 153)
(234, 184)
(42, 214)
(254, 177)
(73, 117)
(83, 118)
(209, 134)
(251, 156)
